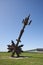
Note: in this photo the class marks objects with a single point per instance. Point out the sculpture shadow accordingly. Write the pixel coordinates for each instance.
(22, 57)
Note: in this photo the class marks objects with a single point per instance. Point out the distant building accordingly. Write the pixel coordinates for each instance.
(35, 50)
(39, 49)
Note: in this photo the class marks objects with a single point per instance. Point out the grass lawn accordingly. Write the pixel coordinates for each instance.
(32, 59)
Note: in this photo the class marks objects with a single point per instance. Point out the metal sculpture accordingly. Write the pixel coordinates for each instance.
(16, 48)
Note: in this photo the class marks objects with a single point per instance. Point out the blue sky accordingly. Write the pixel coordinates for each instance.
(12, 12)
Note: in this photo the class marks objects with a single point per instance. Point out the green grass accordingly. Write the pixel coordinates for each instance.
(33, 59)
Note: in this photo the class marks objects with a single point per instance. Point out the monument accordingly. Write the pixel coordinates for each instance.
(16, 48)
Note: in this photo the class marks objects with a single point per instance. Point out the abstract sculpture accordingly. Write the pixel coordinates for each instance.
(16, 48)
